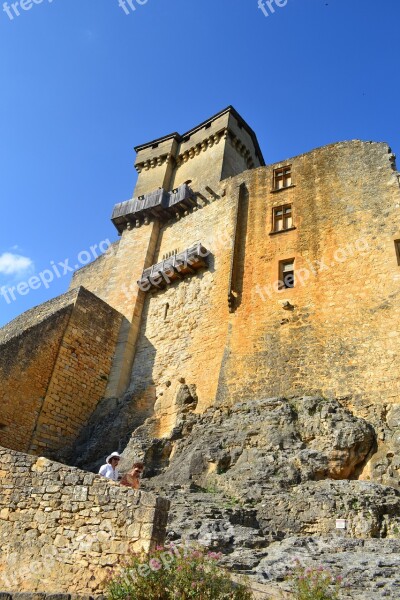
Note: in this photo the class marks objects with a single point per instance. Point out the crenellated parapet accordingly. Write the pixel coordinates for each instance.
(152, 163)
(241, 148)
(202, 146)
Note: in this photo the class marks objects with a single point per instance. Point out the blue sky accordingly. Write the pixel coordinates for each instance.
(82, 83)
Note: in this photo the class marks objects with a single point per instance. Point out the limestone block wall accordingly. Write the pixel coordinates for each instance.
(216, 150)
(335, 333)
(221, 147)
(28, 352)
(342, 333)
(114, 279)
(240, 153)
(155, 164)
(54, 366)
(339, 335)
(80, 375)
(61, 529)
(200, 155)
(96, 275)
(184, 327)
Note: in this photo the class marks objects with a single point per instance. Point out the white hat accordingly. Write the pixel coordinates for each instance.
(113, 455)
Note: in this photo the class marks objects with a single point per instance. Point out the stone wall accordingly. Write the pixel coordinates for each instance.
(98, 273)
(338, 336)
(202, 167)
(184, 327)
(61, 529)
(340, 332)
(221, 147)
(54, 368)
(155, 163)
(335, 333)
(182, 335)
(80, 376)
(114, 280)
(28, 352)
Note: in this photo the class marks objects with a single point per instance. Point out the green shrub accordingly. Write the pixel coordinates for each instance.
(175, 574)
(314, 583)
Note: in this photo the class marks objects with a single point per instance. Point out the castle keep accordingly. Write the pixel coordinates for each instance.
(231, 280)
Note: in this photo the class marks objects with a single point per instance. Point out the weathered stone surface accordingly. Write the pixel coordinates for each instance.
(54, 366)
(340, 337)
(370, 568)
(245, 478)
(273, 443)
(371, 510)
(224, 336)
(57, 533)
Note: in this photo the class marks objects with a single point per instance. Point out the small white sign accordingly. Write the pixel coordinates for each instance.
(340, 523)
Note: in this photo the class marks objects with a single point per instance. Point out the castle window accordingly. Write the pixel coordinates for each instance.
(282, 217)
(397, 248)
(282, 178)
(286, 274)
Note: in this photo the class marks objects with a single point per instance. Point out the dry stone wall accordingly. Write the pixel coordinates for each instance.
(61, 529)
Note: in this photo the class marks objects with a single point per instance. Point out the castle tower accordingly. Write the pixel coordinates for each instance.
(177, 176)
(221, 147)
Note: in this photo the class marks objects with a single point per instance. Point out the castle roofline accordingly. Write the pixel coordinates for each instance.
(324, 147)
(170, 136)
(181, 137)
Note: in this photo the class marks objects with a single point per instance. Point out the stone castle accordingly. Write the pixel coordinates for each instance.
(231, 280)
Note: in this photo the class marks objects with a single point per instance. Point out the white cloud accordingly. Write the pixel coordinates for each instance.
(15, 264)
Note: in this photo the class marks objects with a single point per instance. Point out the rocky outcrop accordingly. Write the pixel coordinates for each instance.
(370, 568)
(257, 479)
(275, 443)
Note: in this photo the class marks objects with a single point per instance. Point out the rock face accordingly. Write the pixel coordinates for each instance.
(370, 568)
(261, 480)
(275, 443)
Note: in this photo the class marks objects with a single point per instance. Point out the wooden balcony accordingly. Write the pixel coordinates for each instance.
(159, 204)
(176, 267)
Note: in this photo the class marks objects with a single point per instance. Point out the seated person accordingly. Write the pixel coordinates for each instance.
(110, 470)
(132, 478)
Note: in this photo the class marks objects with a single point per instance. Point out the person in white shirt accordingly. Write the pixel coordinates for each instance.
(110, 470)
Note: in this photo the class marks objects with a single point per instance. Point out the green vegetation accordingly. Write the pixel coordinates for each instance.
(314, 583)
(175, 574)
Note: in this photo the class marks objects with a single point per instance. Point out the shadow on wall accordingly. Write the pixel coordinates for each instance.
(239, 251)
(112, 423)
